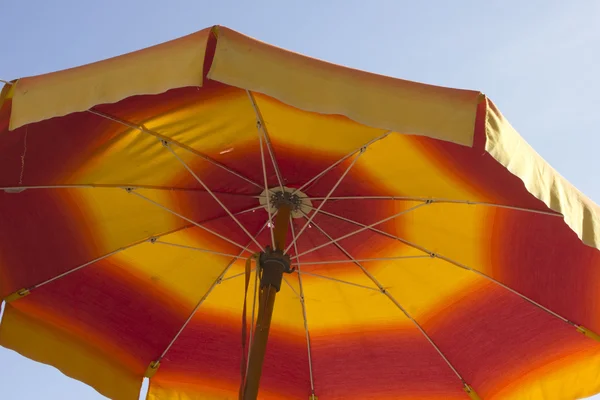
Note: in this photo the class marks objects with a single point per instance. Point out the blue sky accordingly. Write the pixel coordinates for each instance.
(536, 59)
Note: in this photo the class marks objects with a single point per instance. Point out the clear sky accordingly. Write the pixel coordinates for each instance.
(536, 59)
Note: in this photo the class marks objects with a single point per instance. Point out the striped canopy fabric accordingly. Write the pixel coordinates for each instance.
(436, 255)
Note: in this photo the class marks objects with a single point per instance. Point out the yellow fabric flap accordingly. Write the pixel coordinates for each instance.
(374, 100)
(541, 180)
(177, 63)
(6, 92)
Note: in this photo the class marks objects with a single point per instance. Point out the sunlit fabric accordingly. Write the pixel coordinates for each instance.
(447, 254)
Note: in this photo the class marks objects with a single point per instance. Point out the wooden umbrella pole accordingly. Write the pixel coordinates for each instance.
(273, 264)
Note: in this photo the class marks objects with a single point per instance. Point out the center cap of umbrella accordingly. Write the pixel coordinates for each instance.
(299, 202)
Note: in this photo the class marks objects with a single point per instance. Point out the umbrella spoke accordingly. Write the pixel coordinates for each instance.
(201, 182)
(341, 178)
(350, 258)
(153, 239)
(181, 246)
(155, 364)
(466, 386)
(269, 224)
(373, 229)
(329, 278)
(303, 304)
(381, 289)
(165, 138)
(249, 210)
(489, 278)
(141, 196)
(360, 260)
(264, 169)
(15, 189)
(236, 275)
(440, 201)
(364, 228)
(26, 291)
(291, 287)
(95, 260)
(338, 162)
(263, 130)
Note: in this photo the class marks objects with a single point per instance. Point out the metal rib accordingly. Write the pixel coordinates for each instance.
(186, 218)
(263, 129)
(115, 186)
(210, 289)
(182, 246)
(434, 200)
(360, 260)
(329, 278)
(37, 285)
(335, 164)
(303, 304)
(268, 200)
(223, 206)
(365, 227)
(341, 178)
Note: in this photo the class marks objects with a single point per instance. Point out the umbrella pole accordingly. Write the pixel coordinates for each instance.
(273, 264)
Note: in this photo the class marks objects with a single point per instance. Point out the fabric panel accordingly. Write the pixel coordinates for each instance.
(156, 69)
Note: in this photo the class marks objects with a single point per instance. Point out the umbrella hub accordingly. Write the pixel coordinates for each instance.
(298, 202)
(288, 198)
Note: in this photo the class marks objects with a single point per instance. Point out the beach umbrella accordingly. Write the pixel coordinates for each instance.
(230, 219)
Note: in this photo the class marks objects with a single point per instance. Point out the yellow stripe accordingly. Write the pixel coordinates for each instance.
(178, 63)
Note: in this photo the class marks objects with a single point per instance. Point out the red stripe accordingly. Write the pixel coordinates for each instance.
(548, 263)
(381, 362)
(492, 337)
(210, 349)
(104, 298)
(41, 237)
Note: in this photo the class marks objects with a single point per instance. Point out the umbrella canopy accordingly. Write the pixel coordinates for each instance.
(432, 253)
